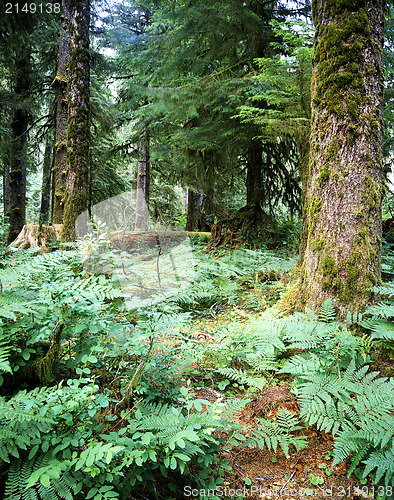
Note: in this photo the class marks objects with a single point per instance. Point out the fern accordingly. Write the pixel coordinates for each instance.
(5, 349)
(19, 480)
(327, 312)
(242, 377)
(279, 432)
(379, 328)
(21, 421)
(383, 462)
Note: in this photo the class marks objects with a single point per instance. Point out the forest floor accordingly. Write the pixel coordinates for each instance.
(262, 474)
(209, 392)
(266, 474)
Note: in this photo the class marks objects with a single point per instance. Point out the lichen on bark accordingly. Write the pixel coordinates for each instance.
(344, 183)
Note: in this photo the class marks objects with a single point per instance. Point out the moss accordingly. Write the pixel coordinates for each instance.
(318, 244)
(60, 79)
(372, 278)
(292, 300)
(369, 195)
(363, 233)
(60, 144)
(323, 176)
(329, 266)
(339, 60)
(314, 207)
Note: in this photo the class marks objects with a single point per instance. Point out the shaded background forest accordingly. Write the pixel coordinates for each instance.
(214, 99)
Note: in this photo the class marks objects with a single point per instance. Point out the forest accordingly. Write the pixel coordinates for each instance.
(197, 249)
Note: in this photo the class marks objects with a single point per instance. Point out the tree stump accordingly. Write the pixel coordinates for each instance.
(36, 236)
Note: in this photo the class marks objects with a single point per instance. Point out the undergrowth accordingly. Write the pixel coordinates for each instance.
(97, 401)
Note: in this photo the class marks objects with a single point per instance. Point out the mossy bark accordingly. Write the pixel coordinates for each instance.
(143, 181)
(61, 122)
(343, 183)
(18, 156)
(46, 182)
(78, 131)
(6, 187)
(195, 218)
(43, 369)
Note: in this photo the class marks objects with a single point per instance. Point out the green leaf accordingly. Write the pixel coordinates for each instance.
(239, 436)
(181, 443)
(91, 492)
(33, 451)
(45, 480)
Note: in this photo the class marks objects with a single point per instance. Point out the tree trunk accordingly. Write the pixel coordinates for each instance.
(194, 210)
(37, 236)
(143, 178)
(46, 182)
(6, 190)
(19, 125)
(253, 176)
(78, 132)
(343, 183)
(61, 119)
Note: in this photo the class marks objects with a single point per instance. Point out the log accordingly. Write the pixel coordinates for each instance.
(36, 236)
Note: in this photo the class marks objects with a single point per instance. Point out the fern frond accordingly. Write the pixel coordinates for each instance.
(383, 462)
(379, 328)
(243, 378)
(327, 312)
(20, 472)
(327, 415)
(272, 434)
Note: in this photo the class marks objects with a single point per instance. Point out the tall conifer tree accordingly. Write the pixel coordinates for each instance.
(78, 132)
(61, 120)
(344, 178)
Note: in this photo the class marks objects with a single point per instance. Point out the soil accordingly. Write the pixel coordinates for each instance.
(270, 474)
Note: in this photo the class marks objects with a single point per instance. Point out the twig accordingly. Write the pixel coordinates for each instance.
(288, 481)
(209, 336)
(131, 409)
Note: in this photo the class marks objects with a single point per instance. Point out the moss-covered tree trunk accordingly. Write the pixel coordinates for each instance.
(143, 179)
(78, 131)
(6, 188)
(18, 156)
(194, 220)
(61, 121)
(343, 182)
(46, 182)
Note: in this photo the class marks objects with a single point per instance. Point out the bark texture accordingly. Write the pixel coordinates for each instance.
(253, 176)
(46, 182)
(143, 179)
(37, 236)
(61, 122)
(343, 181)
(19, 126)
(6, 189)
(194, 219)
(78, 132)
